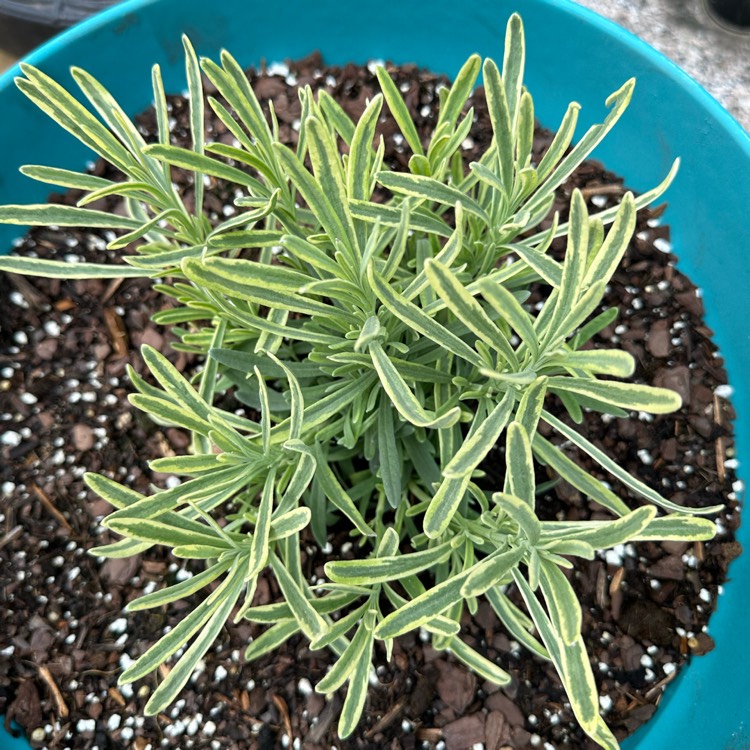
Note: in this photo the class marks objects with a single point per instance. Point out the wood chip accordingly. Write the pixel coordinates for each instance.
(49, 505)
(117, 332)
(46, 675)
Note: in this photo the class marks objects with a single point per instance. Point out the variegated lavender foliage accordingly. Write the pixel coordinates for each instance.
(390, 333)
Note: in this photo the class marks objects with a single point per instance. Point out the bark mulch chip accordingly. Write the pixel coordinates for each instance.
(64, 638)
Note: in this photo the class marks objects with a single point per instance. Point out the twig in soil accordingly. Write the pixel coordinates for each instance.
(117, 331)
(117, 697)
(429, 734)
(656, 692)
(49, 505)
(30, 293)
(11, 535)
(62, 709)
(387, 718)
(111, 289)
(280, 704)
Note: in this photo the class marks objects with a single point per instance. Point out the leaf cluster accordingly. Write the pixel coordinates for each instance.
(384, 348)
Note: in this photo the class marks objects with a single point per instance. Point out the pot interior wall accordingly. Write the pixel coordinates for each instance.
(572, 54)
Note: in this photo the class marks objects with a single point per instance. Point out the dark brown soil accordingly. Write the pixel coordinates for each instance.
(63, 411)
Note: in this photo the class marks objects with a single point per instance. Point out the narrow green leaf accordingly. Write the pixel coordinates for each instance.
(271, 639)
(180, 590)
(521, 512)
(520, 464)
(617, 471)
(467, 309)
(339, 498)
(562, 602)
(490, 572)
(403, 398)
(310, 622)
(56, 269)
(399, 110)
(444, 505)
(478, 664)
(476, 447)
(624, 395)
(377, 570)
(430, 189)
(180, 673)
(47, 214)
(389, 455)
(424, 607)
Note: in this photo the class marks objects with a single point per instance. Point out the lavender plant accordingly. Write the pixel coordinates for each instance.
(386, 348)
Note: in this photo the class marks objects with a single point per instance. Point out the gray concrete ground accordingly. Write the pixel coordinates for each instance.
(683, 30)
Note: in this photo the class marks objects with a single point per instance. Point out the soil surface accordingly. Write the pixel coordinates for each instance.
(64, 638)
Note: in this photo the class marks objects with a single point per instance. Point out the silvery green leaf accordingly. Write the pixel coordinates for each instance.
(116, 494)
(167, 412)
(519, 465)
(346, 663)
(615, 362)
(477, 663)
(604, 534)
(625, 395)
(502, 127)
(508, 307)
(338, 496)
(609, 255)
(574, 267)
(547, 268)
(256, 282)
(402, 397)
(200, 163)
(180, 590)
(430, 189)
(330, 180)
(561, 141)
(572, 473)
(562, 602)
(490, 572)
(64, 177)
(459, 92)
(530, 408)
(280, 632)
(525, 140)
(521, 513)
(514, 59)
(617, 471)
(476, 447)
(180, 673)
(516, 621)
(309, 621)
(424, 607)
(186, 628)
(336, 117)
(618, 101)
(419, 321)
(389, 455)
(71, 115)
(444, 505)
(261, 534)
(271, 613)
(361, 154)
(291, 522)
(679, 528)
(467, 309)
(56, 269)
(47, 214)
(376, 570)
(389, 216)
(157, 532)
(356, 693)
(399, 110)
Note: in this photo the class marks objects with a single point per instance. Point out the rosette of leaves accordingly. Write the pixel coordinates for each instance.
(384, 349)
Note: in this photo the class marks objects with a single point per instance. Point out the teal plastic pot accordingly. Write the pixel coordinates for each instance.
(572, 55)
